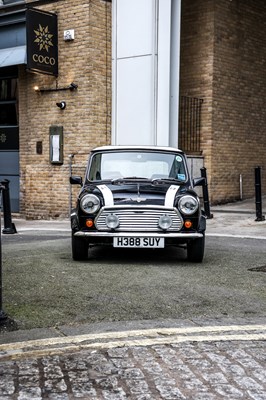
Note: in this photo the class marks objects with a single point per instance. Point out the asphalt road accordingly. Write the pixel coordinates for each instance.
(43, 286)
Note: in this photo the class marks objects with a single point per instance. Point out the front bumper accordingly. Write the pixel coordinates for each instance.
(178, 235)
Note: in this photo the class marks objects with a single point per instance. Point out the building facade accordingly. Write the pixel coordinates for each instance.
(221, 111)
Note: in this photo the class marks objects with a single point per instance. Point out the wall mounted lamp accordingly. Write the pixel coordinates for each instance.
(61, 105)
(72, 86)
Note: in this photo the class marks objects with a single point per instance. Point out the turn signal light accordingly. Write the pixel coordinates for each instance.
(188, 224)
(89, 223)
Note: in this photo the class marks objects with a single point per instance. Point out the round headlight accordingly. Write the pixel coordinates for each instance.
(90, 203)
(112, 221)
(188, 205)
(165, 222)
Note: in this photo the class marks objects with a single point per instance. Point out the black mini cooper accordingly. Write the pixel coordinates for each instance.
(137, 197)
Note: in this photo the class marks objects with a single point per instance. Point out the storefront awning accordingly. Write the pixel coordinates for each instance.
(13, 56)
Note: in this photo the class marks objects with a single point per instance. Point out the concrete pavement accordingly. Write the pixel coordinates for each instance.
(237, 219)
(169, 359)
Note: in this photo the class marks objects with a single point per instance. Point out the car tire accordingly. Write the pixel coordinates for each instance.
(79, 249)
(195, 250)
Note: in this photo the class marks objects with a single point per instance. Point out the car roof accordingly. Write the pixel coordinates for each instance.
(137, 147)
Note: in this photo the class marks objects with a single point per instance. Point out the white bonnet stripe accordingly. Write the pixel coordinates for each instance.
(107, 195)
(170, 196)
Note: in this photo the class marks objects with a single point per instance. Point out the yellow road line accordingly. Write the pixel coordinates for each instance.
(35, 353)
(139, 332)
(128, 338)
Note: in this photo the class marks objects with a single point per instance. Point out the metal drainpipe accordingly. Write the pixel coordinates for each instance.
(241, 186)
(70, 156)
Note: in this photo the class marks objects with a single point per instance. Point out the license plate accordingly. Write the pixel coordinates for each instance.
(140, 242)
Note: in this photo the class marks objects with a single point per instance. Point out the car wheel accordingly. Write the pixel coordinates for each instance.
(79, 249)
(195, 250)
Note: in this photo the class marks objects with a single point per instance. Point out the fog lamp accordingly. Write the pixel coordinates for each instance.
(165, 222)
(112, 221)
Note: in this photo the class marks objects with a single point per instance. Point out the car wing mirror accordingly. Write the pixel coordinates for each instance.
(75, 180)
(199, 181)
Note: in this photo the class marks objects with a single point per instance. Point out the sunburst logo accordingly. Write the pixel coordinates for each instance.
(43, 38)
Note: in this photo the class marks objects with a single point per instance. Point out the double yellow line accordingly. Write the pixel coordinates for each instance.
(146, 337)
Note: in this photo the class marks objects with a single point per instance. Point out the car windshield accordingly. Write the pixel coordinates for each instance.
(137, 165)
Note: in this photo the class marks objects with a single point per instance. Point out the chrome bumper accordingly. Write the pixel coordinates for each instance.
(139, 234)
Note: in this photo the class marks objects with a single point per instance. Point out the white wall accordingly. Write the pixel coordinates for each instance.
(145, 62)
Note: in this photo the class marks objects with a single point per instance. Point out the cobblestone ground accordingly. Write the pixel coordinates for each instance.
(190, 370)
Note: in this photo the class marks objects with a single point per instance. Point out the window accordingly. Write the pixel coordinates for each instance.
(8, 102)
(6, 2)
(8, 89)
(141, 164)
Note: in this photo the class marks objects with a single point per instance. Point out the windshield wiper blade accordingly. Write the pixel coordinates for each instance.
(130, 179)
(166, 180)
(134, 177)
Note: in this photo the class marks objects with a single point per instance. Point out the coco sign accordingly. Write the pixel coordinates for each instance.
(42, 48)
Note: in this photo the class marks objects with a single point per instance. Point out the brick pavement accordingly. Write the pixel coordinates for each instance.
(210, 362)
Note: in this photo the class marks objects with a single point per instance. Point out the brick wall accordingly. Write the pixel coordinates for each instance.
(239, 118)
(196, 63)
(223, 55)
(86, 120)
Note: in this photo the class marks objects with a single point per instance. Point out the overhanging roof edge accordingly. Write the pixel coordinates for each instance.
(13, 56)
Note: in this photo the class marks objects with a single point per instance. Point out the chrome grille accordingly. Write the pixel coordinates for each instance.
(139, 219)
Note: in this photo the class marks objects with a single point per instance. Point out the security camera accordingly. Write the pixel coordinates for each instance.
(73, 86)
(61, 105)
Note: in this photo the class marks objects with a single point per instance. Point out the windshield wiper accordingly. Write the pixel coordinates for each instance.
(166, 180)
(154, 181)
(129, 179)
